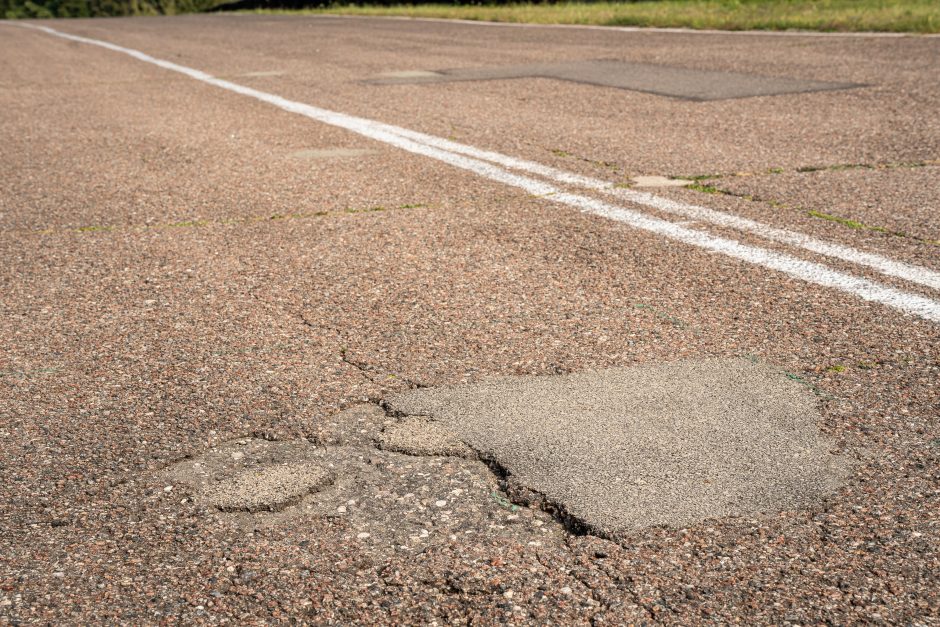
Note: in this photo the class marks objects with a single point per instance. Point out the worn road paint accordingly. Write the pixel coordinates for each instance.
(884, 265)
(810, 272)
(635, 29)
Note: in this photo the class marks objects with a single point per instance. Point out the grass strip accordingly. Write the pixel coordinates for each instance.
(903, 16)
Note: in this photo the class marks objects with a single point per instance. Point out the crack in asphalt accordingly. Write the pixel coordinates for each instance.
(365, 369)
(517, 493)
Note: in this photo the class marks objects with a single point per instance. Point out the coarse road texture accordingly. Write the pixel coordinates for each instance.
(202, 289)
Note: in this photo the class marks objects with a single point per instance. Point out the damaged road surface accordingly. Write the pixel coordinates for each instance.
(393, 486)
(339, 321)
(618, 450)
(606, 453)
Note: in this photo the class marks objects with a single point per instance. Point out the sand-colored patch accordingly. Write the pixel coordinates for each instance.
(416, 435)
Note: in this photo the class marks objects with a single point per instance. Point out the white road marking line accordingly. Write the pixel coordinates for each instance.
(884, 265)
(635, 29)
(798, 268)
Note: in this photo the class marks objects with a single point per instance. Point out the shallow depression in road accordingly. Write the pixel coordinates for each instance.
(621, 449)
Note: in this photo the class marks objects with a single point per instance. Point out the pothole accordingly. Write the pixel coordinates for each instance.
(537, 458)
(388, 483)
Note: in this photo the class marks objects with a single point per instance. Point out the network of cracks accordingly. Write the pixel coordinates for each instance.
(537, 458)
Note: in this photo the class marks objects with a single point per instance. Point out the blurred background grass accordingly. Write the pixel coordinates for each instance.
(914, 16)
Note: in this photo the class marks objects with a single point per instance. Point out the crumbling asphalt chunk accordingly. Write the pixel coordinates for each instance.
(359, 425)
(430, 494)
(268, 488)
(603, 453)
(417, 435)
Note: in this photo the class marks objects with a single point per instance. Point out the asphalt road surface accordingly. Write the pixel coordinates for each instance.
(228, 241)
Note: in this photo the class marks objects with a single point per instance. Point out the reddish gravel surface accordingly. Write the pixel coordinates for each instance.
(186, 280)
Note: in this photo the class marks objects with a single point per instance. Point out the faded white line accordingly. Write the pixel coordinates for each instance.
(889, 267)
(798, 268)
(631, 29)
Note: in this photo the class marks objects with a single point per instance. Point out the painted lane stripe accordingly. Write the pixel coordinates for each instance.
(798, 268)
(889, 267)
(635, 29)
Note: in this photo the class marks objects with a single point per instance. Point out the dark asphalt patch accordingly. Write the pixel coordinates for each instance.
(663, 80)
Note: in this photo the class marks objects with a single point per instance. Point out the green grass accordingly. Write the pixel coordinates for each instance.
(915, 16)
(705, 189)
(852, 224)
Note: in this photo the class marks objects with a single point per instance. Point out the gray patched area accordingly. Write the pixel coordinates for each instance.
(622, 449)
(664, 80)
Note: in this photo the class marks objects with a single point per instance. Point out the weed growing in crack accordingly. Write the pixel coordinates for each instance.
(610, 165)
(815, 389)
(705, 189)
(806, 169)
(852, 224)
(776, 204)
(503, 502)
(699, 177)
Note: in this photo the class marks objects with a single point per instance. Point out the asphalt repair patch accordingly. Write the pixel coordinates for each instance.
(672, 444)
(603, 453)
(663, 80)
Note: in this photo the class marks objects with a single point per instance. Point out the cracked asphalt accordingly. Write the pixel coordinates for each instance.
(192, 276)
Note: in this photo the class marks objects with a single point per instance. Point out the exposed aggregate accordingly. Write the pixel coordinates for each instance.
(128, 351)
